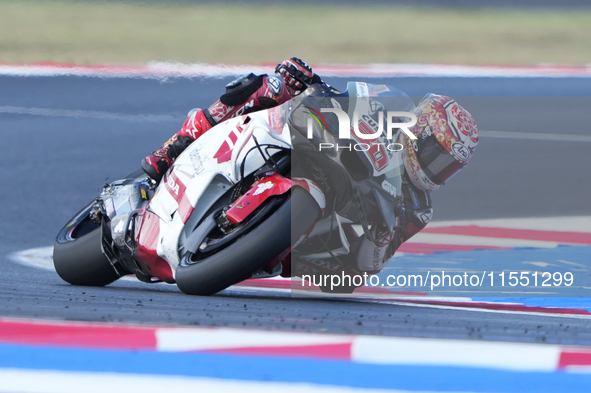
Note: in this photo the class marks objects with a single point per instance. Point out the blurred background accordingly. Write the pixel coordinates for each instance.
(505, 32)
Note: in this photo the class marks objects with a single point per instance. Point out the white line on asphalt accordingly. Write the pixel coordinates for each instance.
(535, 136)
(164, 70)
(19, 110)
(50, 381)
(189, 340)
(459, 353)
(40, 258)
(51, 112)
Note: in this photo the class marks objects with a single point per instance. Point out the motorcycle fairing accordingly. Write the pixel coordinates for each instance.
(147, 246)
(267, 187)
(261, 190)
(198, 169)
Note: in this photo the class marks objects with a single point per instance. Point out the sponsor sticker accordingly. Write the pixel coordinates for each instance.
(242, 205)
(263, 187)
(362, 90)
(174, 186)
(196, 161)
(376, 106)
(425, 217)
(274, 84)
(460, 152)
(389, 188)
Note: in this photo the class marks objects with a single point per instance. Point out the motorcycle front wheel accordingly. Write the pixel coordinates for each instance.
(253, 250)
(77, 255)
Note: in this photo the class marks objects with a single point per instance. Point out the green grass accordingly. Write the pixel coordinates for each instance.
(129, 33)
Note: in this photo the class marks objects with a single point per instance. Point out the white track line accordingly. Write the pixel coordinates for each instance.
(175, 339)
(535, 136)
(49, 381)
(39, 258)
(450, 352)
(19, 110)
(101, 115)
(161, 70)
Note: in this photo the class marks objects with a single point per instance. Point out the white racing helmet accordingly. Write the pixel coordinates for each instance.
(446, 137)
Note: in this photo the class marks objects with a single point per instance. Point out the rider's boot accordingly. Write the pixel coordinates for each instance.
(157, 163)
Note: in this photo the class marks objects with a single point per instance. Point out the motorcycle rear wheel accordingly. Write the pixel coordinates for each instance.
(255, 249)
(77, 255)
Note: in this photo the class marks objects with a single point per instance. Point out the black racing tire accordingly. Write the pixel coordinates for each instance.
(79, 259)
(253, 250)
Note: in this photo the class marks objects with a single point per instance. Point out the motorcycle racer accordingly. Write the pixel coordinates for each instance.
(447, 135)
(446, 138)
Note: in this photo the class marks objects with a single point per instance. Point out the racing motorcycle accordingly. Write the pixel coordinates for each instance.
(247, 197)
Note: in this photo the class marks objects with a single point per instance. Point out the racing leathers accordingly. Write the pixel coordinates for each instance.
(244, 95)
(247, 94)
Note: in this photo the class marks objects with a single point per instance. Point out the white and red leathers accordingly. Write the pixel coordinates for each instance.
(247, 94)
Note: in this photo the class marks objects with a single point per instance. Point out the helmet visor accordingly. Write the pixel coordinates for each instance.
(436, 162)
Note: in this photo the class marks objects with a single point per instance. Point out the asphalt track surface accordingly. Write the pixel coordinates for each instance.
(53, 162)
